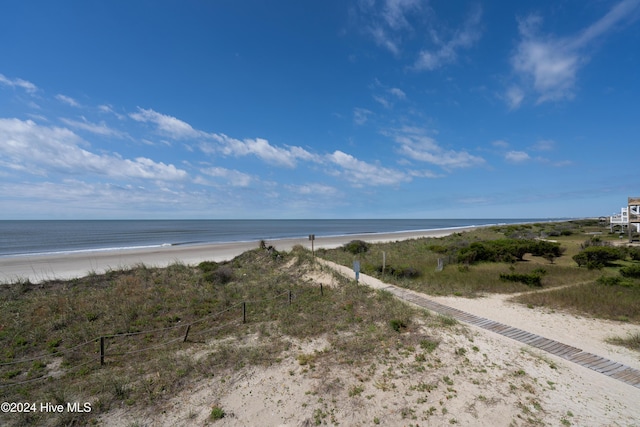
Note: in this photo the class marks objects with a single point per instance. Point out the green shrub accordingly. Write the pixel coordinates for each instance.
(508, 250)
(597, 257)
(527, 279)
(631, 271)
(406, 272)
(220, 276)
(217, 413)
(397, 325)
(634, 253)
(439, 249)
(609, 280)
(356, 247)
(207, 266)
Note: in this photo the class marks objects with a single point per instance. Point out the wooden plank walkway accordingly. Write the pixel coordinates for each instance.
(597, 363)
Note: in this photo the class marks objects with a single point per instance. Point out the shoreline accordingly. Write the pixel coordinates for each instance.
(65, 266)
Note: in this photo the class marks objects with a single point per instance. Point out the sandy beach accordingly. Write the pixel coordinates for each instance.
(64, 266)
(502, 382)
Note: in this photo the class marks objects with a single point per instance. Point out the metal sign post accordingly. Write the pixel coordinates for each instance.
(356, 269)
(312, 237)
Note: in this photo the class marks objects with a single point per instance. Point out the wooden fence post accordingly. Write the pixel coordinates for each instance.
(244, 312)
(101, 351)
(321, 291)
(289, 297)
(186, 334)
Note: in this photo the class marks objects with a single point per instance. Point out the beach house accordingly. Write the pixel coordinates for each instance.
(628, 218)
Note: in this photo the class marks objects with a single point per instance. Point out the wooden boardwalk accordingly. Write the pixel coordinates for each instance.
(597, 363)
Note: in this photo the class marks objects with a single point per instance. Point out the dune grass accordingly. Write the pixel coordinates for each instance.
(50, 352)
(563, 285)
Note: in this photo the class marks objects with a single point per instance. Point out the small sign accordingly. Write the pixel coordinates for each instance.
(312, 237)
(356, 269)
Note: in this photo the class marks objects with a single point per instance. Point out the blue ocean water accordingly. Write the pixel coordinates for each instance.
(41, 237)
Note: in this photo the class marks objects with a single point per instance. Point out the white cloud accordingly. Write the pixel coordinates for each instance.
(28, 86)
(361, 115)
(108, 109)
(550, 64)
(313, 189)
(168, 125)
(544, 145)
(514, 97)
(386, 22)
(361, 173)
(447, 51)
(500, 143)
(395, 12)
(417, 145)
(382, 101)
(398, 93)
(42, 150)
(516, 156)
(232, 177)
(258, 147)
(98, 129)
(67, 100)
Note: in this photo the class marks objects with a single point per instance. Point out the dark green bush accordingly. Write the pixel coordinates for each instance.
(439, 249)
(207, 266)
(631, 271)
(407, 272)
(508, 250)
(609, 280)
(397, 325)
(527, 279)
(634, 253)
(220, 276)
(400, 272)
(356, 247)
(597, 257)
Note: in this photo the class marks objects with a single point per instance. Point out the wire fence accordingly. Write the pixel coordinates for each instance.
(108, 346)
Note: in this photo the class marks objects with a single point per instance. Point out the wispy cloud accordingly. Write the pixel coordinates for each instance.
(67, 100)
(41, 150)
(167, 125)
(386, 22)
(361, 173)
(415, 143)
(313, 189)
(544, 145)
(231, 177)
(516, 156)
(549, 64)
(514, 97)
(392, 23)
(446, 50)
(23, 84)
(361, 115)
(259, 147)
(398, 93)
(98, 129)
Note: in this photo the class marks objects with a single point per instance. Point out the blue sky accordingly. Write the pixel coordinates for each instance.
(326, 109)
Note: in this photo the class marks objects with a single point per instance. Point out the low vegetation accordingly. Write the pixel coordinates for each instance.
(572, 265)
(192, 323)
(187, 323)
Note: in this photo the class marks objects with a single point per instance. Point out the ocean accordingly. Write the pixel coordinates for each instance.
(66, 236)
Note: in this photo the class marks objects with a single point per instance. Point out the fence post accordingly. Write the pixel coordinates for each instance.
(101, 351)
(186, 334)
(321, 291)
(244, 312)
(289, 297)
